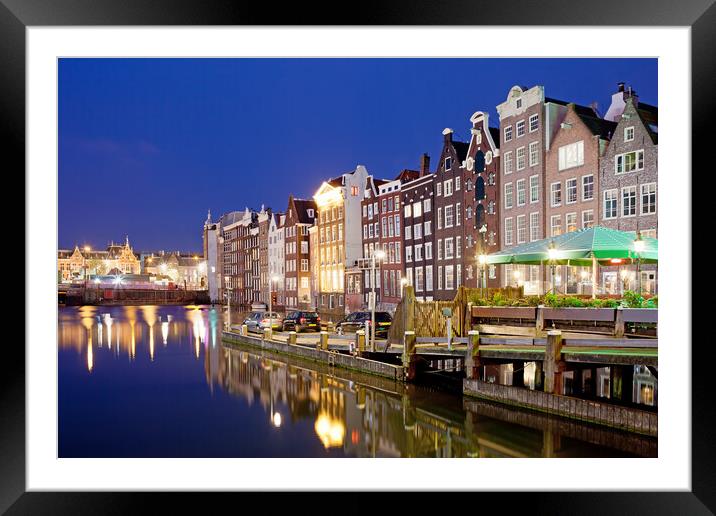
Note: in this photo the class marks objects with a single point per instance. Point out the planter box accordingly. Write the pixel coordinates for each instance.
(504, 312)
(641, 315)
(579, 314)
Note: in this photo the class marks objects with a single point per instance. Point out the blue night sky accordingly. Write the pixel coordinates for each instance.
(146, 146)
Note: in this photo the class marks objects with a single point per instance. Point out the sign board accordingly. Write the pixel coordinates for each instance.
(447, 312)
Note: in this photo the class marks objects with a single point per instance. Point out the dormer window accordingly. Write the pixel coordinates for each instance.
(629, 134)
(448, 163)
(518, 103)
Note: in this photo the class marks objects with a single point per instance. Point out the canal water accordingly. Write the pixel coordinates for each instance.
(156, 381)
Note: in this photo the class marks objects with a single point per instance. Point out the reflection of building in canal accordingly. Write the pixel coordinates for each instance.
(124, 331)
(362, 420)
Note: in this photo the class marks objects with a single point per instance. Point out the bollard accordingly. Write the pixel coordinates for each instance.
(360, 337)
(323, 343)
(472, 360)
(553, 363)
(268, 332)
(409, 354)
(244, 330)
(292, 337)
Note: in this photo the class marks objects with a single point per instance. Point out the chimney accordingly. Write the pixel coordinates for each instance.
(620, 86)
(424, 165)
(447, 133)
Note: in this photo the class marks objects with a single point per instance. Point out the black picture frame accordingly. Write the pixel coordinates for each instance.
(700, 15)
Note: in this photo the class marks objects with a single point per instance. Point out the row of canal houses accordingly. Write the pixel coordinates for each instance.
(551, 167)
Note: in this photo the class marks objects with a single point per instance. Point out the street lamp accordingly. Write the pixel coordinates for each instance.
(482, 258)
(552, 253)
(272, 279)
(639, 248)
(377, 254)
(87, 249)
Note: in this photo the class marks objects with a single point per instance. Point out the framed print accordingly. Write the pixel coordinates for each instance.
(260, 262)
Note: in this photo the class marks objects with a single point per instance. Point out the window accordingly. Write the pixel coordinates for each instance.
(518, 103)
(571, 187)
(409, 253)
(458, 247)
(629, 162)
(448, 188)
(508, 162)
(508, 231)
(521, 229)
(457, 183)
(520, 128)
(417, 231)
(407, 210)
(648, 198)
(468, 213)
(468, 185)
(534, 189)
(534, 154)
(521, 192)
(628, 201)
(440, 277)
(571, 155)
(440, 218)
(628, 134)
(449, 217)
(556, 194)
(534, 123)
(449, 280)
(610, 204)
(365, 210)
(417, 209)
(418, 279)
(370, 211)
(556, 224)
(534, 226)
(426, 205)
(587, 219)
(440, 249)
(458, 267)
(354, 191)
(429, 251)
(419, 252)
(439, 189)
(508, 195)
(304, 265)
(428, 276)
(384, 205)
(408, 232)
(587, 188)
(448, 164)
(396, 218)
(397, 252)
(520, 158)
(428, 227)
(508, 133)
(571, 220)
(458, 214)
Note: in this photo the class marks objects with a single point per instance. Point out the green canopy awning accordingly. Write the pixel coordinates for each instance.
(579, 248)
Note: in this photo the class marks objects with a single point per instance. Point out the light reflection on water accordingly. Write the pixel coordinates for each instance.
(195, 397)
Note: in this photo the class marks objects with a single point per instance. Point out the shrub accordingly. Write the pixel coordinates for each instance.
(499, 300)
(632, 300)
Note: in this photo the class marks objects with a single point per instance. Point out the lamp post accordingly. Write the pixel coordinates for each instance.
(87, 249)
(272, 279)
(377, 254)
(482, 258)
(639, 248)
(552, 253)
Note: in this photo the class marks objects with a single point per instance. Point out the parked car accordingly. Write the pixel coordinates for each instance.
(356, 321)
(258, 321)
(299, 320)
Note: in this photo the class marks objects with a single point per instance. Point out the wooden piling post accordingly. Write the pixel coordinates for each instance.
(553, 363)
(292, 337)
(472, 360)
(539, 321)
(409, 354)
(360, 337)
(323, 342)
(619, 323)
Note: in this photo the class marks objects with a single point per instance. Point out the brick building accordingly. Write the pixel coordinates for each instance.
(628, 178)
(338, 204)
(572, 179)
(418, 211)
(277, 258)
(300, 216)
(481, 199)
(449, 230)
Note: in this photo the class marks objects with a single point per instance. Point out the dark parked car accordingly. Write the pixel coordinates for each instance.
(299, 320)
(356, 321)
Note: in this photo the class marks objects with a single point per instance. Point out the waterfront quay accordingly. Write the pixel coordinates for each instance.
(604, 378)
(124, 367)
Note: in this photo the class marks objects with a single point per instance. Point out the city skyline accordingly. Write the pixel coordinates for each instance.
(149, 145)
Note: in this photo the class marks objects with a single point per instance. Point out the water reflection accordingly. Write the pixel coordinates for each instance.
(311, 409)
